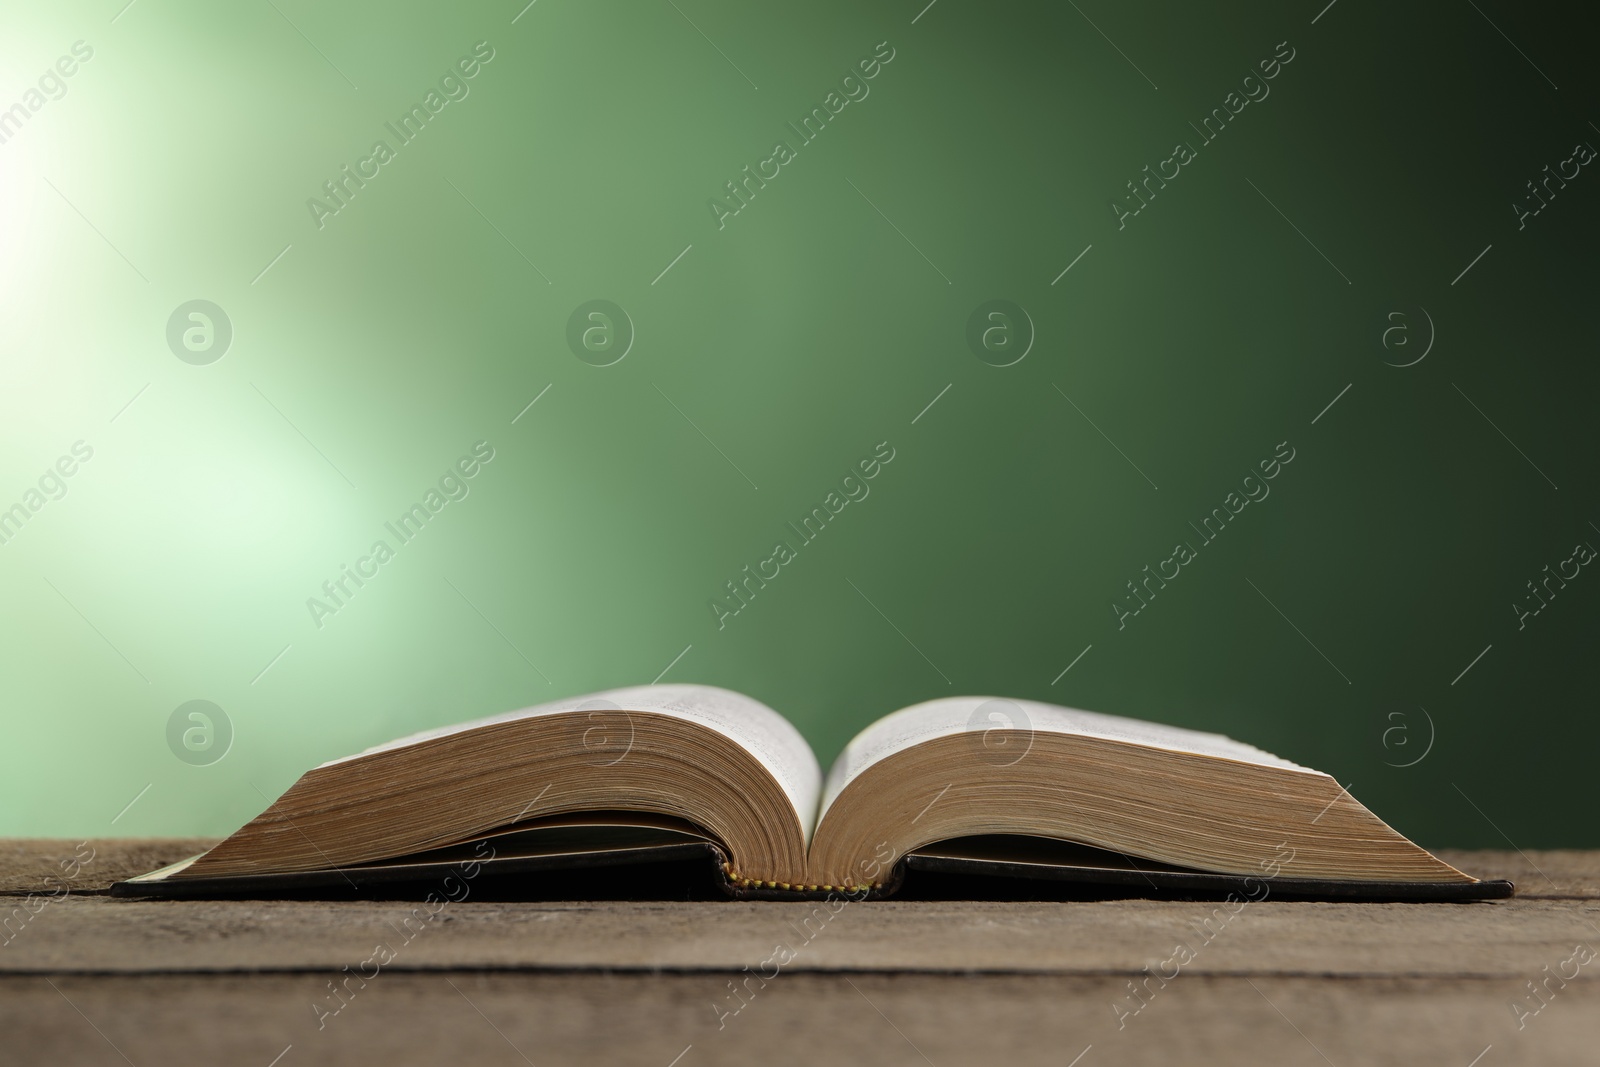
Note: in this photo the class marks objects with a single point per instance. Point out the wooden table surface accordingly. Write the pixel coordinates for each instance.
(87, 978)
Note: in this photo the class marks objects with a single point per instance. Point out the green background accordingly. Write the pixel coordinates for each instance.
(777, 352)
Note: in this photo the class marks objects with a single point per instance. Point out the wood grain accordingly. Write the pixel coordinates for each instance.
(85, 977)
(910, 1019)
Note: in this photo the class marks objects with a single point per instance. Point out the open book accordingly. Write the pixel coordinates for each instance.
(962, 785)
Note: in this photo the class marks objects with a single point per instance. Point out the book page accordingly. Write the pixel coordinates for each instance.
(765, 734)
(953, 715)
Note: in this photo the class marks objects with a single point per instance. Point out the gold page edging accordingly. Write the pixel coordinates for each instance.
(795, 887)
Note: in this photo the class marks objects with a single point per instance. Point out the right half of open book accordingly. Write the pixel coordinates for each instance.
(989, 785)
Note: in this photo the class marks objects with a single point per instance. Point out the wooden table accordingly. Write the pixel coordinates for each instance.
(86, 978)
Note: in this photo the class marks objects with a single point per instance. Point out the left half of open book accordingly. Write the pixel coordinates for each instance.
(626, 776)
